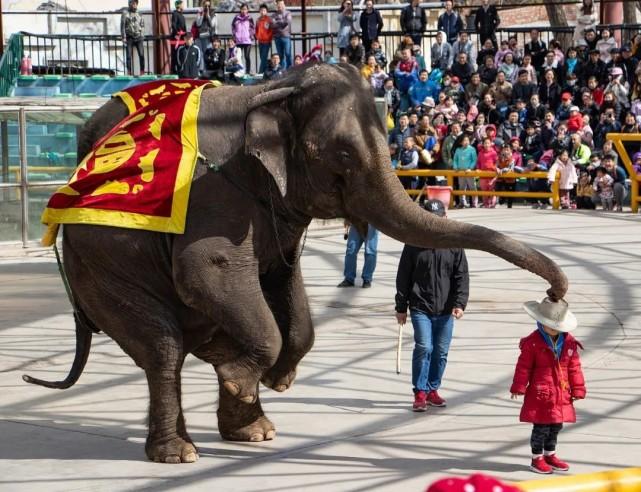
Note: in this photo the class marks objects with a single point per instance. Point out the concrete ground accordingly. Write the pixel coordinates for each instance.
(346, 424)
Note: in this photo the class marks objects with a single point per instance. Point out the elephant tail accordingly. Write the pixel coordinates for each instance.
(84, 329)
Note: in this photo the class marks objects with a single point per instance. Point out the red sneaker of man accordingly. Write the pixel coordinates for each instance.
(539, 465)
(556, 463)
(420, 401)
(434, 399)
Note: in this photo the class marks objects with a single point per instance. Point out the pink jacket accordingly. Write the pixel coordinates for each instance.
(568, 174)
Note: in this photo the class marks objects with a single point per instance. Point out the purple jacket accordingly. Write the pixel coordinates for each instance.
(242, 28)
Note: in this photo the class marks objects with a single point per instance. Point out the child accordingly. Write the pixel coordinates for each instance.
(568, 178)
(537, 185)
(636, 162)
(408, 161)
(584, 192)
(604, 186)
(486, 161)
(505, 164)
(548, 373)
(465, 160)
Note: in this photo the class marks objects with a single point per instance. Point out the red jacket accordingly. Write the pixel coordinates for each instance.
(575, 123)
(548, 384)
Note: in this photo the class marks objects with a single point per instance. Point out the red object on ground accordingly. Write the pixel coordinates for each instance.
(477, 482)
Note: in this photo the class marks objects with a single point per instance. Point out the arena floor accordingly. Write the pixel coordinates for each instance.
(346, 424)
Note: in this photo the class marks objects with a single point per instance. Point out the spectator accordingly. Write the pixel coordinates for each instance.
(608, 124)
(189, 59)
(636, 164)
(487, 108)
(575, 121)
(215, 61)
(475, 89)
(408, 161)
(264, 35)
(604, 188)
(464, 45)
(636, 46)
(559, 56)
(548, 130)
(531, 141)
(465, 160)
(450, 22)
(618, 175)
(368, 69)
(406, 73)
(610, 102)
(378, 53)
(523, 89)
(586, 132)
(346, 26)
(567, 179)
(526, 65)
(594, 67)
(585, 22)
(447, 149)
(243, 31)
(488, 71)
(505, 164)
(537, 185)
(487, 49)
(618, 86)
(579, 153)
(501, 91)
(401, 132)
(549, 91)
(517, 52)
(371, 23)
(630, 126)
(281, 29)
(487, 22)
(487, 159)
(442, 54)
(535, 110)
(204, 27)
(421, 89)
(561, 142)
(508, 67)
(584, 192)
(178, 30)
(234, 62)
(434, 284)
(500, 54)
(572, 88)
(605, 45)
(447, 107)
(536, 48)
(413, 21)
(418, 56)
(511, 128)
(354, 243)
(588, 107)
(132, 28)
(462, 68)
(563, 111)
(571, 66)
(550, 63)
(377, 79)
(392, 98)
(355, 52)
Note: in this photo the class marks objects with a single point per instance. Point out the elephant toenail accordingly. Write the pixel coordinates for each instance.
(248, 399)
(173, 459)
(270, 435)
(233, 388)
(256, 438)
(191, 458)
(280, 388)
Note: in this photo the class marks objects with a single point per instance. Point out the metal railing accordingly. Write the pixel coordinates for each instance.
(635, 179)
(10, 63)
(449, 175)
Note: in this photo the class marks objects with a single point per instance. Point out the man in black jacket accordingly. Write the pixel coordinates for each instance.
(487, 21)
(188, 59)
(371, 25)
(434, 284)
(178, 30)
(413, 21)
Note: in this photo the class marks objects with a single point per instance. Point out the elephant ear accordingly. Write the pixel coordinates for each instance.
(268, 131)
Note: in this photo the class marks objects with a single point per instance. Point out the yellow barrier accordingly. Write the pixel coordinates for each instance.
(626, 480)
(635, 179)
(450, 175)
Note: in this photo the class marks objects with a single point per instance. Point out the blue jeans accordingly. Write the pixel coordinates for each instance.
(432, 337)
(354, 243)
(263, 50)
(284, 49)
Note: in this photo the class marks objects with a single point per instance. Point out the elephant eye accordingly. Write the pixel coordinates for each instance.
(344, 155)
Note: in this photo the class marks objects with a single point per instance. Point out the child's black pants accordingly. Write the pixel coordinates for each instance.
(544, 437)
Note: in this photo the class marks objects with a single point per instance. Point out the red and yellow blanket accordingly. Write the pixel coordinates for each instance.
(138, 175)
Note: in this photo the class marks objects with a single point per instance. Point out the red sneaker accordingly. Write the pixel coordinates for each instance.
(539, 465)
(434, 399)
(420, 401)
(556, 463)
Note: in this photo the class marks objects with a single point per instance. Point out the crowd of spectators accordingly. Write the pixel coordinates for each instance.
(503, 107)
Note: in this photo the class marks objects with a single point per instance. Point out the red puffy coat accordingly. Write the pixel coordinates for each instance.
(549, 384)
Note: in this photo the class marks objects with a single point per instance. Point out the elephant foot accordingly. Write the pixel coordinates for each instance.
(241, 383)
(279, 380)
(260, 429)
(176, 450)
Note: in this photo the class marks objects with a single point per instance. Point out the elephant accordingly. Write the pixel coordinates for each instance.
(230, 290)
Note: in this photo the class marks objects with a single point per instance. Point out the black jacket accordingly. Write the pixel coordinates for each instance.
(486, 22)
(371, 25)
(188, 61)
(433, 281)
(178, 24)
(413, 21)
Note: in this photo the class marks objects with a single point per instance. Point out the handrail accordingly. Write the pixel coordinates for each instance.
(10, 63)
(451, 174)
(635, 179)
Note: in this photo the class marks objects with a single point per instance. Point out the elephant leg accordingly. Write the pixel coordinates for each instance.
(168, 441)
(238, 421)
(285, 294)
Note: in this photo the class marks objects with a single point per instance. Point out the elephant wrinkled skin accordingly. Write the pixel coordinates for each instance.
(307, 145)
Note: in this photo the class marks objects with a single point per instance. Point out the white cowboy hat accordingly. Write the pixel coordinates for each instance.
(556, 315)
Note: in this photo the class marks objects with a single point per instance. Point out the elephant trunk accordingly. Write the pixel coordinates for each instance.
(395, 214)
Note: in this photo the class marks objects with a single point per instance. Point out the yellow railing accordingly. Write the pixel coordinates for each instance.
(635, 179)
(450, 175)
(626, 480)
